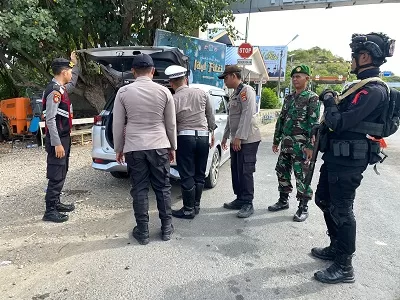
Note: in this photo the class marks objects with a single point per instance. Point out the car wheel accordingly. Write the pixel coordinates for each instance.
(211, 180)
(119, 175)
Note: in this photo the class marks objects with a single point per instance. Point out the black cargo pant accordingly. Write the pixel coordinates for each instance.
(150, 167)
(57, 169)
(335, 195)
(191, 159)
(243, 165)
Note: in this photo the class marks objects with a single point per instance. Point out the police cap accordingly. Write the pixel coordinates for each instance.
(59, 64)
(142, 61)
(230, 69)
(175, 71)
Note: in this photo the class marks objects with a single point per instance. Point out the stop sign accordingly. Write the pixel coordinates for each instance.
(245, 50)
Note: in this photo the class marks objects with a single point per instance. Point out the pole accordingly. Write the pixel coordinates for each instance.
(291, 67)
(279, 78)
(248, 23)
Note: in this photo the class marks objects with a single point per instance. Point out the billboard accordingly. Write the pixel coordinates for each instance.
(272, 56)
(206, 59)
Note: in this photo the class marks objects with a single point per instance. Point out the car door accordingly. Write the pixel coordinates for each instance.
(219, 103)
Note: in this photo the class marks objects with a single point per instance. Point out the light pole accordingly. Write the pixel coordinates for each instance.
(291, 67)
(280, 65)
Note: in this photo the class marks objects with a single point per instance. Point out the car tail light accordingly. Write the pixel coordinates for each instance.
(98, 120)
(98, 160)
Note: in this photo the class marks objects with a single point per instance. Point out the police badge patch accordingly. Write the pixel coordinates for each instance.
(243, 96)
(56, 97)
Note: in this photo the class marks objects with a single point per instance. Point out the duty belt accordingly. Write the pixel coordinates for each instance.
(193, 132)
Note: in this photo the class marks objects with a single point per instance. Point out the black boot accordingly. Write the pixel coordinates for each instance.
(235, 204)
(327, 253)
(283, 203)
(52, 215)
(167, 229)
(141, 233)
(340, 271)
(245, 211)
(199, 191)
(187, 211)
(302, 212)
(61, 207)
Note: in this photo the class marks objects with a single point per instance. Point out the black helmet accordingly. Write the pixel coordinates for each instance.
(379, 45)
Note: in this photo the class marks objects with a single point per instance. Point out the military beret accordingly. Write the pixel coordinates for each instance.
(230, 69)
(142, 61)
(175, 71)
(61, 63)
(301, 69)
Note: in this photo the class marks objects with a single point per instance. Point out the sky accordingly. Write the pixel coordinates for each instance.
(326, 28)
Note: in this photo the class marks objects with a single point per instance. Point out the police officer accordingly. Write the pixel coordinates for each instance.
(300, 113)
(195, 122)
(57, 110)
(242, 129)
(144, 129)
(348, 151)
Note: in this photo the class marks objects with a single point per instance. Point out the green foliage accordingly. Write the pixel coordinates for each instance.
(269, 99)
(33, 32)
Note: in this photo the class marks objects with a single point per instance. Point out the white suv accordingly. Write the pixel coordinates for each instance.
(103, 154)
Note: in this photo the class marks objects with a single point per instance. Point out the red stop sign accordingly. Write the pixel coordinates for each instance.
(245, 50)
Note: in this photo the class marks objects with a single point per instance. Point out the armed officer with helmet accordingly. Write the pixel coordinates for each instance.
(195, 122)
(345, 140)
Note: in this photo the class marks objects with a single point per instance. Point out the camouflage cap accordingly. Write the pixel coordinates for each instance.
(301, 69)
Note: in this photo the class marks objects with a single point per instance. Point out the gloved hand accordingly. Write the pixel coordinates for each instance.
(326, 93)
(328, 97)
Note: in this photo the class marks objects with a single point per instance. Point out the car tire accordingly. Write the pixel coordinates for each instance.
(119, 175)
(213, 174)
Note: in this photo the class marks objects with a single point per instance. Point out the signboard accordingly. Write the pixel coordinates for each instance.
(387, 73)
(247, 61)
(264, 81)
(206, 59)
(245, 50)
(272, 55)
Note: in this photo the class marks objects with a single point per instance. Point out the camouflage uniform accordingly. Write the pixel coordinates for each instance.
(293, 130)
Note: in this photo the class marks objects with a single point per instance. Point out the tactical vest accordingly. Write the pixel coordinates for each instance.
(352, 147)
(64, 111)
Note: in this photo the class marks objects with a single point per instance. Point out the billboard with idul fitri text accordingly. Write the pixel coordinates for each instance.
(206, 58)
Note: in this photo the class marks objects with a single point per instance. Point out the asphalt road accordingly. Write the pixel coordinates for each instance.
(214, 256)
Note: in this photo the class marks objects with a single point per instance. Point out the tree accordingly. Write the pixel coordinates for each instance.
(33, 32)
(269, 99)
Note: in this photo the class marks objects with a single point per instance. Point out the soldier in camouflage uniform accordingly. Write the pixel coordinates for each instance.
(300, 112)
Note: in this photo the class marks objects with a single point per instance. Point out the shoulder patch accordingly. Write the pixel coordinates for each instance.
(358, 95)
(243, 96)
(56, 97)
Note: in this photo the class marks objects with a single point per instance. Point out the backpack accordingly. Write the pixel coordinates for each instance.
(392, 121)
(391, 114)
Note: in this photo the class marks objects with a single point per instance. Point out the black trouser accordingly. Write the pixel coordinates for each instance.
(57, 169)
(191, 158)
(243, 165)
(335, 195)
(145, 167)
